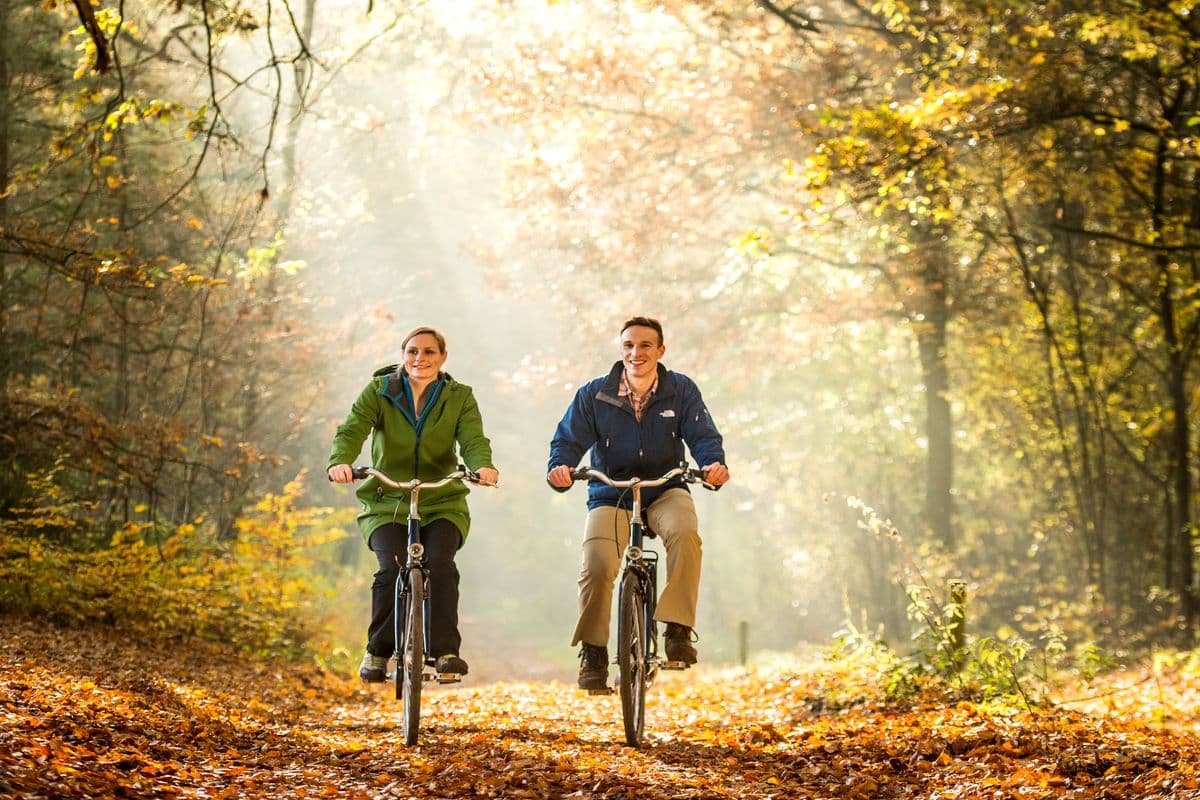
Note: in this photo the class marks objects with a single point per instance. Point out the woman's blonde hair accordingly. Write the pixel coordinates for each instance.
(434, 332)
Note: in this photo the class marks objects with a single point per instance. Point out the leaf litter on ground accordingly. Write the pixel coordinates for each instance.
(97, 714)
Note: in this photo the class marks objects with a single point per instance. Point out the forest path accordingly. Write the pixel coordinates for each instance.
(91, 715)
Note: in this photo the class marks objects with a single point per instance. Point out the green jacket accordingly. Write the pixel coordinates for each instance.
(403, 448)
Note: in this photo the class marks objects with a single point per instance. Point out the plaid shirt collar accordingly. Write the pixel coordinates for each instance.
(637, 402)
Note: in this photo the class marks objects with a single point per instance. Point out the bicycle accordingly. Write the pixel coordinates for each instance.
(637, 596)
(414, 666)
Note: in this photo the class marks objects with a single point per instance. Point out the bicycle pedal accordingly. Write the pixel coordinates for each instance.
(443, 677)
(674, 665)
(605, 690)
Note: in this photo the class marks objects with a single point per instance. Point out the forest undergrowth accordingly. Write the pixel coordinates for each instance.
(87, 713)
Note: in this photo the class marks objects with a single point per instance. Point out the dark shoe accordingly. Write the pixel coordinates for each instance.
(373, 668)
(679, 640)
(451, 664)
(593, 667)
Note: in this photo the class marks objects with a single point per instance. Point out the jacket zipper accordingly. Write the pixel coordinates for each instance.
(417, 457)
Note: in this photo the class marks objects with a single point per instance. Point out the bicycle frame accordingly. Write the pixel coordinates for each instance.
(636, 559)
(411, 672)
(644, 565)
(415, 549)
(637, 635)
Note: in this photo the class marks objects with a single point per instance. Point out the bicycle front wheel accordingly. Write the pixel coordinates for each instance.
(631, 657)
(412, 661)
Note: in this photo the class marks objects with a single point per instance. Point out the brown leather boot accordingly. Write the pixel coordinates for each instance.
(678, 639)
(593, 667)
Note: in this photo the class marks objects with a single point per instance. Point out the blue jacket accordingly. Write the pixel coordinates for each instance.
(622, 447)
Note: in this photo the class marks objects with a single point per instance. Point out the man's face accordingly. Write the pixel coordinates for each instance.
(640, 350)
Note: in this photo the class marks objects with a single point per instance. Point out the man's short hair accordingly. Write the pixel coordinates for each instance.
(645, 322)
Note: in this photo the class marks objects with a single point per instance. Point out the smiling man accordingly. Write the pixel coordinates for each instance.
(636, 421)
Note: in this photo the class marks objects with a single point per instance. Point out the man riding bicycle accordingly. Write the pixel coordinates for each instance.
(635, 421)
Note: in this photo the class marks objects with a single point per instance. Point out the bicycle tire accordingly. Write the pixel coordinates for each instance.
(631, 657)
(412, 662)
(399, 619)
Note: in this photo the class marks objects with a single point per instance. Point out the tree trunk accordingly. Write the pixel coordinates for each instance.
(1181, 465)
(931, 343)
(301, 70)
(1180, 530)
(5, 179)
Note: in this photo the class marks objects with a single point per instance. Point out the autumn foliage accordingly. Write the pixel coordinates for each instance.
(257, 591)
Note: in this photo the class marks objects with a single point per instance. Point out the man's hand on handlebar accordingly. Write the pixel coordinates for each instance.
(561, 477)
(715, 473)
(488, 476)
(342, 473)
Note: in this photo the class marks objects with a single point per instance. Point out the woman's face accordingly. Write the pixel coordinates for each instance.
(423, 358)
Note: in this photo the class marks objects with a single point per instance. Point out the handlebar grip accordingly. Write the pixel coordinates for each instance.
(358, 473)
(697, 476)
(579, 474)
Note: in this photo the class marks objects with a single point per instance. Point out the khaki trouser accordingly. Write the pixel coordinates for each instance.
(672, 516)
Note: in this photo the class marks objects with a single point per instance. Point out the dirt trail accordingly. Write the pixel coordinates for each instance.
(100, 716)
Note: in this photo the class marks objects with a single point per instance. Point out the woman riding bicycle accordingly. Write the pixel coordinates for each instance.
(416, 415)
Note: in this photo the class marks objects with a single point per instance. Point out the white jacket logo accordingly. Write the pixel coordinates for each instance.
(670, 412)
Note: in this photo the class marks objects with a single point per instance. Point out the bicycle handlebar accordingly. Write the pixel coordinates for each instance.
(462, 473)
(690, 475)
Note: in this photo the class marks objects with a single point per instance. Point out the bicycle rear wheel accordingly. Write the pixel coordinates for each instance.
(412, 662)
(631, 657)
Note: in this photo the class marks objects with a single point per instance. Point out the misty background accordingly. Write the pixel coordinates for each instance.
(395, 191)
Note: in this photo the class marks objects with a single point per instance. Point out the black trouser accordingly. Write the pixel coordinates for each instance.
(389, 542)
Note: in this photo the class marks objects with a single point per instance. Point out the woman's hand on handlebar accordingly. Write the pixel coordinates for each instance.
(561, 477)
(341, 473)
(488, 476)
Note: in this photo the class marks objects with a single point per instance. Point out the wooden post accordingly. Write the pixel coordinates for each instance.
(956, 622)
